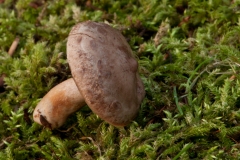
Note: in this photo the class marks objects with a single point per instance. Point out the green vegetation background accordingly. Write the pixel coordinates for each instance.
(189, 61)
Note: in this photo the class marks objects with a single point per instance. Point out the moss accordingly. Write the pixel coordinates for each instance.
(189, 62)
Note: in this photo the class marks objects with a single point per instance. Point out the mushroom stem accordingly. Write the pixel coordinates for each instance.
(61, 101)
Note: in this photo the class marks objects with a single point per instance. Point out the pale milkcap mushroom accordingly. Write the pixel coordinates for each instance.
(105, 77)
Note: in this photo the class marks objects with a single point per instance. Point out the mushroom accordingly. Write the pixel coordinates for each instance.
(105, 77)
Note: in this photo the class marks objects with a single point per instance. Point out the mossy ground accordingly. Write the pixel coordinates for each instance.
(189, 61)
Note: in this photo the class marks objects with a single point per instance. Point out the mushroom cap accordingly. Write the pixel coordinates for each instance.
(105, 71)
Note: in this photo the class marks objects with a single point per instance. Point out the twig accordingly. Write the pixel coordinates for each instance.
(5, 140)
(94, 143)
(13, 46)
(11, 50)
(67, 129)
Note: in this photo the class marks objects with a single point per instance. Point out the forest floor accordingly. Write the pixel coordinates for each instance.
(189, 61)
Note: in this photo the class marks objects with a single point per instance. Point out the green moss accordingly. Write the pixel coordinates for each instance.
(189, 62)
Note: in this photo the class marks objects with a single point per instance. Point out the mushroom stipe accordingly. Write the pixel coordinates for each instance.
(105, 77)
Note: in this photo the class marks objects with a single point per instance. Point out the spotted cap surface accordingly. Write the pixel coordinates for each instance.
(105, 71)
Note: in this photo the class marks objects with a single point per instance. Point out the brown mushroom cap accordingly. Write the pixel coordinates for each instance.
(105, 71)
